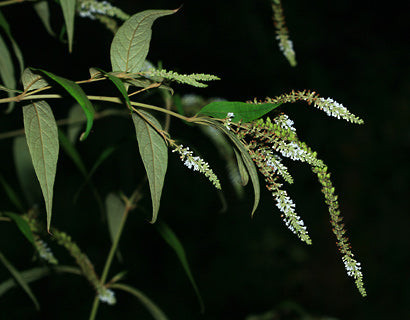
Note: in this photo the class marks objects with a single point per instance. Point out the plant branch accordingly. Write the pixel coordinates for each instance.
(67, 121)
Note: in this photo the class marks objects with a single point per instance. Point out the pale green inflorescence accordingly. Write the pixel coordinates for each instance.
(196, 164)
(92, 9)
(191, 79)
(45, 252)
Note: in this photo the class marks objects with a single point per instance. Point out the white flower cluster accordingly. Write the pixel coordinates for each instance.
(228, 120)
(285, 45)
(197, 164)
(89, 9)
(107, 296)
(291, 150)
(284, 122)
(275, 162)
(45, 252)
(291, 219)
(332, 108)
(352, 267)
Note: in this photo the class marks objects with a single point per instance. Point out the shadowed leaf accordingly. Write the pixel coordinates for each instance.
(246, 158)
(173, 241)
(7, 70)
(154, 154)
(155, 311)
(115, 208)
(19, 279)
(16, 49)
(245, 112)
(76, 117)
(14, 198)
(22, 225)
(130, 45)
(35, 274)
(42, 140)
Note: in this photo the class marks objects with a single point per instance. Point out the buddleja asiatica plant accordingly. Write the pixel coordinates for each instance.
(257, 141)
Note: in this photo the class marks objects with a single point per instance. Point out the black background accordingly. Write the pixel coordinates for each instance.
(354, 52)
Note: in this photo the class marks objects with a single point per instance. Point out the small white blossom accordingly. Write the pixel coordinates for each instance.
(291, 219)
(89, 9)
(228, 120)
(284, 122)
(197, 164)
(352, 267)
(107, 296)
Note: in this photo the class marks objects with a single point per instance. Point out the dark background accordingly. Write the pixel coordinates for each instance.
(354, 52)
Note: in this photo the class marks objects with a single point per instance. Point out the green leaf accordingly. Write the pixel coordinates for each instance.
(76, 118)
(68, 7)
(7, 70)
(103, 156)
(16, 49)
(9, 90)
(22, 225)
(43, 12)
(78, 94)
(115, 208)
(173, 241)
(35, 274)
(42, 139)
(245, 112)
(130, 45)
(25, 171)
(154, 154)
(72, 152)
(19, 279)
(242, 169)
(120, 86)
(246, 158)
(11, 194)
(155, 311)
(32, 81)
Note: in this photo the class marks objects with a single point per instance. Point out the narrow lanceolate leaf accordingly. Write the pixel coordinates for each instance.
(7, 70)
(173, 241)
(16, 49)
(246, 158)
(68, 7)
(115, 212)
(154, 154)
(43, 12)
(19, 279)
(22, 225)
(120, 86)
(32, 80)
(155, 311)
(242, 111)
(14, 198)
(35, 274)
(78, 94)
(42, 139)
(130, 45)
(76, 118)
(242, 169)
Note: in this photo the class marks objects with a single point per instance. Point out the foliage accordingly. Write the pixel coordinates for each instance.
(250, 139)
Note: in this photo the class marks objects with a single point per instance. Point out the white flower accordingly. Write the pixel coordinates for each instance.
(197, 164)
(228, 120)
(107, 296)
